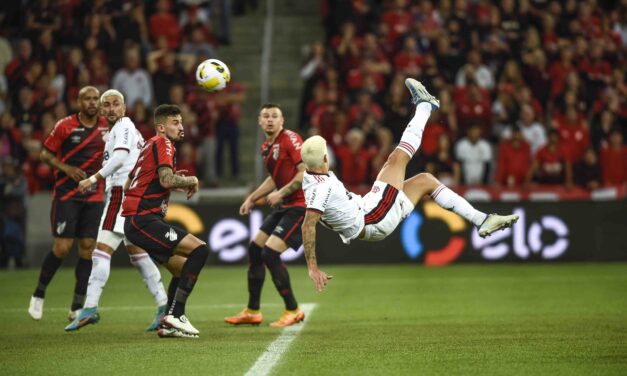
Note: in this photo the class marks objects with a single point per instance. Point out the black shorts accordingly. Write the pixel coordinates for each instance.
(285, 223)
(75, 219)
(154, 235)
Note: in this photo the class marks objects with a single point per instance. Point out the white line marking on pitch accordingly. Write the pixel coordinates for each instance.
(276, 349)
(137, 308)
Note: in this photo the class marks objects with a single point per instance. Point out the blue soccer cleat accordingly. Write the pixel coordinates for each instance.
(157, 320)
(420, 94)
(85, 317)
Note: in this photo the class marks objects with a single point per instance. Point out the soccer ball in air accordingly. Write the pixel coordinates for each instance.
(212, 75)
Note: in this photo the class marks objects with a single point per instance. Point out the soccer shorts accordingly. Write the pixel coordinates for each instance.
(111, 230)
(385, 207)
(154, 235)
(75, 219)
(285, 223)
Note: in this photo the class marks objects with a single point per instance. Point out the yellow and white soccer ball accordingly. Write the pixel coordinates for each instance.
(212, 75)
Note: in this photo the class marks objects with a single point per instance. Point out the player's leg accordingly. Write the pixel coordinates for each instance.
(63, 224)
(393, 171)
(427, 184)
(256, 276)
(152, 278)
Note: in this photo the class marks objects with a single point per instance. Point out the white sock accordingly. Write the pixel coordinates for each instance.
(450, 200)
(100, 268)
(412, 136)
(151, 275)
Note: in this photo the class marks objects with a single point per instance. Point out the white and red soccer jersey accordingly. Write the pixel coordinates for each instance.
(125, 136)
(341, 210)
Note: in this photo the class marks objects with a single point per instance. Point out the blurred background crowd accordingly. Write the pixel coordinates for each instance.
(531, 91)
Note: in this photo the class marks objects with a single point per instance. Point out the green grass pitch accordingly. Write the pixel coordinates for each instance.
(558, 319)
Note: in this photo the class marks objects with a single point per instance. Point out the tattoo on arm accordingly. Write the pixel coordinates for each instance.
(168, 179)
(309, 237)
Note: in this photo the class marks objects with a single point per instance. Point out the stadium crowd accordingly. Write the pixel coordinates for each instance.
(531, 91)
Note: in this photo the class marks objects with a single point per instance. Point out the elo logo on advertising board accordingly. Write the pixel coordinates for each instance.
(522, 240)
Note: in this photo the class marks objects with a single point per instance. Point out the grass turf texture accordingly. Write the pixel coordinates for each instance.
(566, 319)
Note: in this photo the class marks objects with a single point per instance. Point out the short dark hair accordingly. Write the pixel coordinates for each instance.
(163, 111)
(270, 105)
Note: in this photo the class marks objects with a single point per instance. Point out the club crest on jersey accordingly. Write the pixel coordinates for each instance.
(164, 207)
(171, 235)
(275, 152)
(61, 227)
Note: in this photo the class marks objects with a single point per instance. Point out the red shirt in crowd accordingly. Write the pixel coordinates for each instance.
(353, 166)
(166, 25)
(614, 165)
(551, 165)
(574, 140)
(513, 163)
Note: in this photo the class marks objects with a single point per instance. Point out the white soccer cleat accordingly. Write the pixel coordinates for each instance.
(36, 307)
(180, 323)
(495, 222)
(420, 94)
(174, 333)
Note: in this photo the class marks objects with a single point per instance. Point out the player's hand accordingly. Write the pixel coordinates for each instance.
(246, 207)
(75, 173)
(191, 190)
(274, 199)
(319, 278)
(84, 185)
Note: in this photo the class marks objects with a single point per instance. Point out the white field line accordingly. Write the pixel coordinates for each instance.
(137, 307)
(272, 355)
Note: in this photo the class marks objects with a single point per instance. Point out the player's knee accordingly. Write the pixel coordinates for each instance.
(270, 256)
(427, 181)
(61, 247)
(202, 251)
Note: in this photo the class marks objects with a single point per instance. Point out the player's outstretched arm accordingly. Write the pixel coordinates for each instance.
(264, 188)
(51, 160)
(275, 198)
(308, 229)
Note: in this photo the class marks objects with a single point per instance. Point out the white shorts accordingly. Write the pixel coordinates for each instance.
(385, 207)
(111, 230)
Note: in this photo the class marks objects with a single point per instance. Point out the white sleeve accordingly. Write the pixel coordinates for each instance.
(114, 163)
(317, 197)
(124, 135)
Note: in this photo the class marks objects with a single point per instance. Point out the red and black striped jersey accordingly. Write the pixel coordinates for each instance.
(145, 194)
(281, 158)
(77, 145)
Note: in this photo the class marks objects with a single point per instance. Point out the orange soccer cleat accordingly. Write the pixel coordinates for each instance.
(245, 317)
(289, 318)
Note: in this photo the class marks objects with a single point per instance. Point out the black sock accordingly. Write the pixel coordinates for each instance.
(82, 272)
(48, 269)
(256, 275)
(195, 261)
(280, 277)
(174, 284)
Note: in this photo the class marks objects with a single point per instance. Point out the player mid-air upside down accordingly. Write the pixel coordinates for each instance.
(391, 199)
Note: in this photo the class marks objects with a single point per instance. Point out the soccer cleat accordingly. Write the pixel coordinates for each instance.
(85, 317)
(180, 323)
(36, 307)
(495, 222)
(157, 320)
(420, 94)
(71, 315)
(289, 318)
(245, 317)
(174, 333)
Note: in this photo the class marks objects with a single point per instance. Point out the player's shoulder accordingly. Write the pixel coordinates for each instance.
(291, 137)
(70, 121)
(315, 179)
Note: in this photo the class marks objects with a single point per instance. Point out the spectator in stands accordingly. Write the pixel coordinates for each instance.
(614, 159)
(514, 158)
(476, 71)
(229, 103)
(132, 80)
(198, 45)
(533, 132)
(574, 134)
(442, 165)
(354, 160)
(587, 172)
(17, 68)
(165, 23)
(550, 165)
(12, 213)
(475, 155)
(602, 126)
(473, 107)
(165, 74)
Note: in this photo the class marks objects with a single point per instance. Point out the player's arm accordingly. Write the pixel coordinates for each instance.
(264, 188)
(308, 230)
(115, 162)
(296, 183)
(169, 180)
(51, 160)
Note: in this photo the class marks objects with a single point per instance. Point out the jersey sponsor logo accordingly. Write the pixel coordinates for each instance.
(61, 227)
(75, 139)
(171, 235)
(275, 152)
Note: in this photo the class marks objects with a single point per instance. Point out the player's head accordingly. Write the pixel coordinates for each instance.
(169, 122)
(89, 101)
(112, 105)
(314, 153)
(271, 119)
